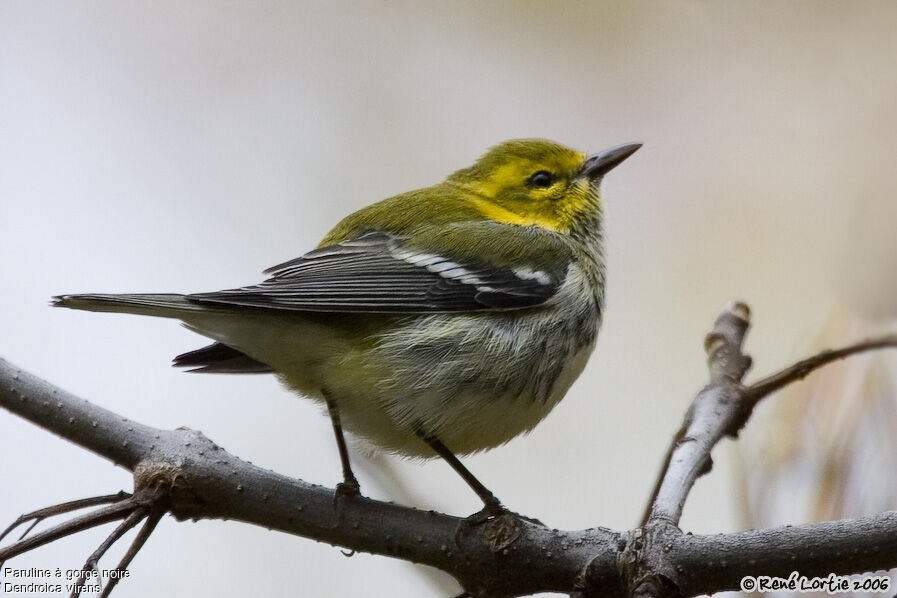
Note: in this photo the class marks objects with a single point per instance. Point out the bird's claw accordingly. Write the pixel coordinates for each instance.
(492, 513)
(346, 489)
(501, 527)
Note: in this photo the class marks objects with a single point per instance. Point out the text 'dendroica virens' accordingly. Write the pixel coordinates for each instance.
(441, 321)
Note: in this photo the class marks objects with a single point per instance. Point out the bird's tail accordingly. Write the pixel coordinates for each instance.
(166, 305)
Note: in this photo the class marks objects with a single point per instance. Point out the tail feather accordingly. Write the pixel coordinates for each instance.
(218, 358)
(215, 358)
(165, 305)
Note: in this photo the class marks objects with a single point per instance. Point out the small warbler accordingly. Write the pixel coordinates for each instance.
(442, 321)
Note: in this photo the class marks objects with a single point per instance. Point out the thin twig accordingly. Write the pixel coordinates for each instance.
(66, 507)
(768, 385)
(142, 536)
(92, 562)
(99, 517)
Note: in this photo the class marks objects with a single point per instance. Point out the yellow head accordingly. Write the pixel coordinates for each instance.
(538, 182)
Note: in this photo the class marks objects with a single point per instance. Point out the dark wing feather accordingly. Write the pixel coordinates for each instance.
(376, 273)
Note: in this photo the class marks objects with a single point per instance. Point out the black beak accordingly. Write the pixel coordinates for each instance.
(597, 165)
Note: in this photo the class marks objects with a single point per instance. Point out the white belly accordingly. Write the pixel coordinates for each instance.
(473, 381)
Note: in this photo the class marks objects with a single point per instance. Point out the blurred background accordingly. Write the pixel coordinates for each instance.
(174, 146)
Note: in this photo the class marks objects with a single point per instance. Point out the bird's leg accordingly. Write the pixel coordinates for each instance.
(349, 486)
(491, 505)
(492, 509)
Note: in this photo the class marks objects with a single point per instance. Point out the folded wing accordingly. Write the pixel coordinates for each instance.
(377, 273)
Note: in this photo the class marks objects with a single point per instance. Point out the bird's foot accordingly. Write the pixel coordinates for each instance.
(491, 509)
(502, 525)
(346, 489)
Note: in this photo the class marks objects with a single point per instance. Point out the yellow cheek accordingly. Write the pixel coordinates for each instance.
(493, 211)
(552, 208)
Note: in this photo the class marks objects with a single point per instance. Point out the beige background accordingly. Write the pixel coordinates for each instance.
(176, 146)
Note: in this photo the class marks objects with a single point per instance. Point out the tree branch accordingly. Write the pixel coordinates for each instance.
(184, 473)
(692, 565)
(714, 413)
(506, 555)
(724, 406)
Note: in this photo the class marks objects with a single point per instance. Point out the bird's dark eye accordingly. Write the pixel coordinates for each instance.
(543, 178)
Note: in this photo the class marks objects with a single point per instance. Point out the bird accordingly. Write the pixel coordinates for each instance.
(440, 322)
